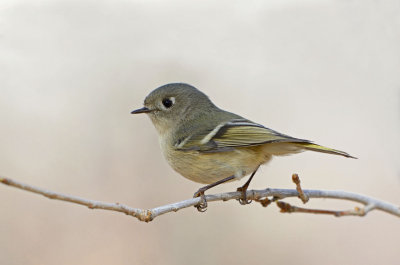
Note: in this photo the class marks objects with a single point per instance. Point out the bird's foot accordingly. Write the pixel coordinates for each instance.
(202, 206)
(243, 200)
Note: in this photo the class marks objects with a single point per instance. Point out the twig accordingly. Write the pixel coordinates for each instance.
(258, 195)
(287, 208)
(302, 196)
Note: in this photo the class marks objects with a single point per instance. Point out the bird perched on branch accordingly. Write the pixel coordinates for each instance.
(211, 146)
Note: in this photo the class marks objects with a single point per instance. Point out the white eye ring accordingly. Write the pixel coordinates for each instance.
(167, 103)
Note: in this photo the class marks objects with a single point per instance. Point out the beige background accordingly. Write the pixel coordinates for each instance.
(71, 71)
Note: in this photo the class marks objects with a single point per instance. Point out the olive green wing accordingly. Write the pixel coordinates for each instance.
(231, 134)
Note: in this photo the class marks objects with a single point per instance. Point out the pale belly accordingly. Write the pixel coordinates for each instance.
(208, 168)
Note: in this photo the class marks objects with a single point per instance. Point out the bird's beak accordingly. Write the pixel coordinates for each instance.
(142, 110)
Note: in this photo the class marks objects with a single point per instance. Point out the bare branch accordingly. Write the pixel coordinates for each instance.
(257, 195)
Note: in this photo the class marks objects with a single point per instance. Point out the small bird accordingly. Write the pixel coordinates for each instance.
(209, 145)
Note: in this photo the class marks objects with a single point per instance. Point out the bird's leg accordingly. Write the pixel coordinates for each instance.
(243, 189)
(202, 206)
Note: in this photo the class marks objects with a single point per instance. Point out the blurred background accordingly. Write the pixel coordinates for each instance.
(71, 72)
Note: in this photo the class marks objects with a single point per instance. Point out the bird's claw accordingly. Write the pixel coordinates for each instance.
(243, 200)
(202, 206)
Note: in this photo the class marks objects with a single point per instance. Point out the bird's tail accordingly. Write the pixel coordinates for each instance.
(323, 149)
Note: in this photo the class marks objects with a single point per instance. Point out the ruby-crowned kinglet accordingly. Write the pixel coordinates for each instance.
(209, 145)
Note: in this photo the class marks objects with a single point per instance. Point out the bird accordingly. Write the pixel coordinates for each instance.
(209, 145)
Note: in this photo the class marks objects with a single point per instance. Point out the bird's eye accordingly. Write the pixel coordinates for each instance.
(168, 102)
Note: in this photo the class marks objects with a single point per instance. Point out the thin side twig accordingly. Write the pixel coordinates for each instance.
(147, 215)
(287, 208)
(303, 197)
